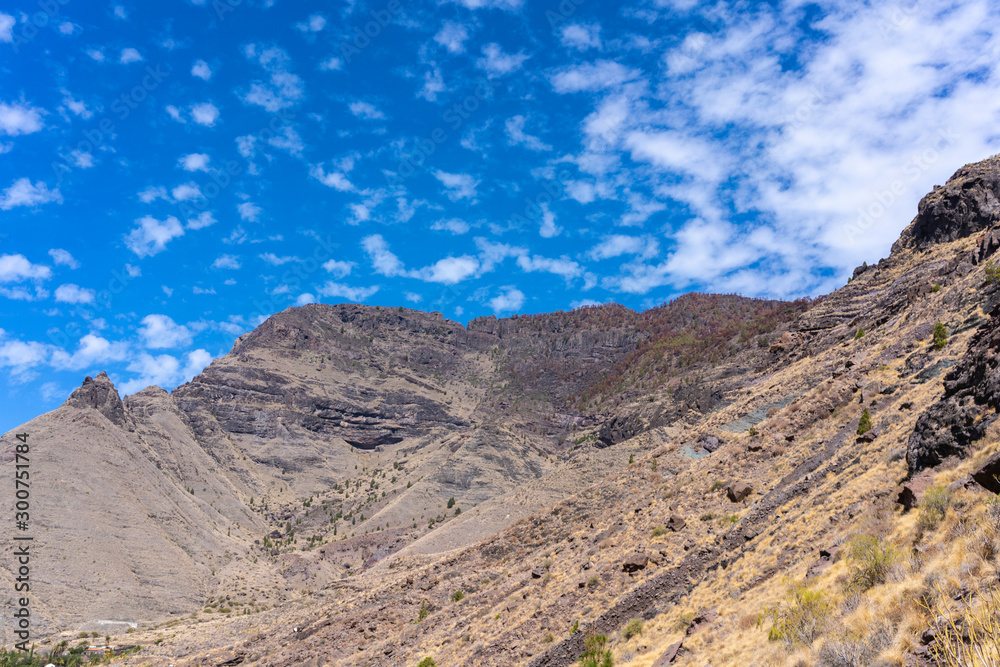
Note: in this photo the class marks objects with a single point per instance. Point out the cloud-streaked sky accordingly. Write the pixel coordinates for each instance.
(171, 173)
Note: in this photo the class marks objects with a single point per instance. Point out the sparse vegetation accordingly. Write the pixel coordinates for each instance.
(658, 531)
(860, 333)
(940, 336)
(992, 271)
(596, 653)
(427, 662)
(933, 507)
(871, 558)
(865, 423)
(801, 618)
(457, 596)
(424, 611)
(632, 629)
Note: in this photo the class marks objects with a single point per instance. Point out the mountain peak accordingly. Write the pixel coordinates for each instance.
(100, 394)
(967, 204)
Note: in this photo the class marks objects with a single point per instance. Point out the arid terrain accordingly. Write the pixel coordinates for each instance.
(717, 481)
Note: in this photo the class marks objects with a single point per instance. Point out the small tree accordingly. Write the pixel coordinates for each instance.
(860, 334)
(596, 654)
(865, 423)
(427, 662)
(451, 502)
(940, 335)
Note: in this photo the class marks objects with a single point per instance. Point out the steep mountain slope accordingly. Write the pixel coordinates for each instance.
(324, 423)
(705, 522)
(801, 486)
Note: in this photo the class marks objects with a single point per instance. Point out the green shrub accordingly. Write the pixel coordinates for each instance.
(427, 662)
(632, 629)
(860, 334)
(871, 558)
(658, 531)
(451, 502)
(596, 653)
(716, 485)
(933, 506)
(424, 611)
(992, 271)
(802, 617)
(935, 289)
(575, 628)
(940, 336)
(865, 423)
(457, 596)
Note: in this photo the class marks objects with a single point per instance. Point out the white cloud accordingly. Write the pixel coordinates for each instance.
(592, 77)
(516, 135)
(67, 28)
(618, 244)
(581, 36)
(433, 85)
(316, 23)
(194, 162)
(452, 36)
(458, 186)
(201, 70)
(20, 118)
(548, 229)
(339, 269)
(130, 55)
(151, 194)
(331, 64)
(304, 299)
(226, 262)
(449, 271)
(454, 225)
(249, 211)
(91, 350)
(63, 258)
(413, 297)
(96, 54)
(82, 159)
(160, 331)
(563, 267)
(288, 140)
(335, 180)
(509, 300)
(205, 114)
(23, 193)
(282, 90)
(204, 219)
(383, 260)
(186, 191)
(77, 107)
(175, 113)
(509, 5)
(365, 110)
(119, 12)
(70, 293)
(275, 260)
(164, 370)
(17, 268)
(151, 236)
(497, 63)
(340, 290)
(7, 23)
(202, 290)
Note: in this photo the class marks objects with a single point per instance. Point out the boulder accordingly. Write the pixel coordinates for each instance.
(738, 491)
(676, 524)
(913, 490)
(635, 562)
(711, 443)
(870, 391)
(702, 620)
(988, 474)
(670, 655)
(537, 573)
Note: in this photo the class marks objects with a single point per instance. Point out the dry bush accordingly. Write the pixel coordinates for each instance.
(853, 650)
(801, 619)
(973, 639)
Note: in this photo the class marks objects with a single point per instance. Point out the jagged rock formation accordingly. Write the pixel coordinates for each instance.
(969, 405)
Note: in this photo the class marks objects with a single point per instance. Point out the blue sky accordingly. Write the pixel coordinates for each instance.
(171, 173)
